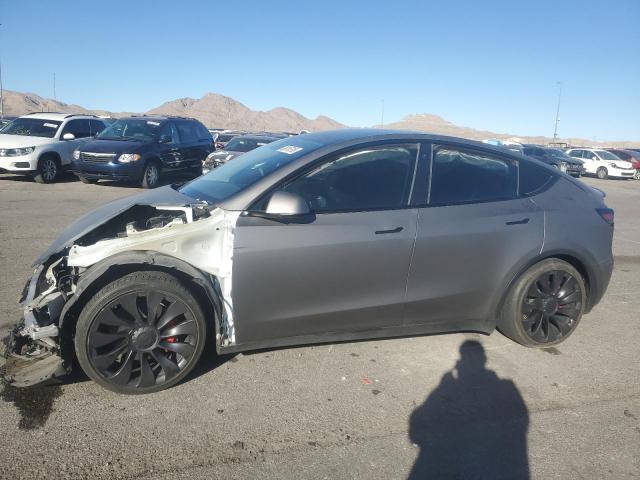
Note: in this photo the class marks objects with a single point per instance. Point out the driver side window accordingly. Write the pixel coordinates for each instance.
(373, 178)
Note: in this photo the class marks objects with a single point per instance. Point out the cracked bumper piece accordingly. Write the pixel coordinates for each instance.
(29, 362)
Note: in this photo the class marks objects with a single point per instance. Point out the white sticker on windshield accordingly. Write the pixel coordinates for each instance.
(155, 124)
(289, 149)
(50, 125)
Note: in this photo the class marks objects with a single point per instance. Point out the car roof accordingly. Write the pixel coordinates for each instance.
(259, 137)
(56, 116)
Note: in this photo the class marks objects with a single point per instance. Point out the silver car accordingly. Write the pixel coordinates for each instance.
(322, 237)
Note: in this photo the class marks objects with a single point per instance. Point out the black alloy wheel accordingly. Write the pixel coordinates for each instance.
(544, 305)
(551, 306)
(141, 333)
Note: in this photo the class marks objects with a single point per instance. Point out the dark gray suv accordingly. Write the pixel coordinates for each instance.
(323, 237)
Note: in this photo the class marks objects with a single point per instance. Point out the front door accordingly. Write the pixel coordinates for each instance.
(344, 271)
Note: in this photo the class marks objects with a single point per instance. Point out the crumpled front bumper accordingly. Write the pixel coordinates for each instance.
(32, 351)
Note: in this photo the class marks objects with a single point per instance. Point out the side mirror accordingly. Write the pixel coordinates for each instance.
(68, 136)
(287, 204)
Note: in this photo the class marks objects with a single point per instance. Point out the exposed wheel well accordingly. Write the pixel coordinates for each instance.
(67, 330)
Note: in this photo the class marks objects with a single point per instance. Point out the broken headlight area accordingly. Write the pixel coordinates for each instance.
(32, 348)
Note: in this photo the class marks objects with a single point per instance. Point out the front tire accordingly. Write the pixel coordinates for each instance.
(545, 305)
(602, 173)
(151, 175)
(141, 333)
(47, 171)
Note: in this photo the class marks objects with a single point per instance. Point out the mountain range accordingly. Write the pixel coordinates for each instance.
(218, 111)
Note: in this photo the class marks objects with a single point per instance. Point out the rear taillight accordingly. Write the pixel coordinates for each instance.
(607, 214)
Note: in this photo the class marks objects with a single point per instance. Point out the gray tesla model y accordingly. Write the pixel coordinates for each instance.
(323, 237)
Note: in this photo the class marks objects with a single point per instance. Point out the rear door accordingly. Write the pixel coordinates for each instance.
(473, 233)
(169, 146)
(188, 144)
(344, 271)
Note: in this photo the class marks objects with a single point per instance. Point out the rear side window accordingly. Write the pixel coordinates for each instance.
(188, 132)
(467, 176)
(533, 178)
(576, 154)
(79, 128)
(373, 178)
(203, 133)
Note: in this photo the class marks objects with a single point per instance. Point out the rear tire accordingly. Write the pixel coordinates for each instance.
(151, 175)
(602, 173)
(48, 170)
(545, 305)
(141, 333)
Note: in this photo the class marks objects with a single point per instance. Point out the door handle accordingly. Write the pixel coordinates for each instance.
(393, 230)
(518, 222)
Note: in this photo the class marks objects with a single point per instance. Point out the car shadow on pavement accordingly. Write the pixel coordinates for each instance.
(472, 426)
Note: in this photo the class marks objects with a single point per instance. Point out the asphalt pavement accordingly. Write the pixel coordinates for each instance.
(425, 407)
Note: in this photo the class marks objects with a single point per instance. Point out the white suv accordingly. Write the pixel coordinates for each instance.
(603, 164)
(42, 144)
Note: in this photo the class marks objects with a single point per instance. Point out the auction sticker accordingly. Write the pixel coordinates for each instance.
(50, 125)
(289, 149)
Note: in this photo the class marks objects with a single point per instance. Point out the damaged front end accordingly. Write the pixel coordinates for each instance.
(32, 349)
(178, 233)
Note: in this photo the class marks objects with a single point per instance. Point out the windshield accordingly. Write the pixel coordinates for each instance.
(243, 144)
(557, 153)
(233, 177)
(32, 127)
(132, 129)
(603, 154)
(225, 137)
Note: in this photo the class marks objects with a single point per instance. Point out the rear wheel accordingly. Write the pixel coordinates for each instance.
(151, 175)
(602, 173)
(47, 171)
(545, 304)
(140, 334)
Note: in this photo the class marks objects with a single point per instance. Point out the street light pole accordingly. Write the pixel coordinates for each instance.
(555, 130)
(1, 90)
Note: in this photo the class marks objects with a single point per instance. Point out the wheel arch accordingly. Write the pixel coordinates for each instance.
(575, 260)
(203, 286)
(53, 154)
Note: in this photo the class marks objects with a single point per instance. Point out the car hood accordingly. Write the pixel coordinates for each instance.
(112, 146)
(163, 196)
(570, 160)
(21, 141)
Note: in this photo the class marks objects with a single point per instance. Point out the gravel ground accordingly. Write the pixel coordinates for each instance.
(415, 407)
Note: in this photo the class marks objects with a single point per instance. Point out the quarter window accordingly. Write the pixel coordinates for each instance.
(466, 176)
(375, 178)
(533, 178)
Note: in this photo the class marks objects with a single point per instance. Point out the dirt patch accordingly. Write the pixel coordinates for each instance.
(34, 404)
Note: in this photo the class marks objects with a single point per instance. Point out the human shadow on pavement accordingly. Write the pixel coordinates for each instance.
(472, 426)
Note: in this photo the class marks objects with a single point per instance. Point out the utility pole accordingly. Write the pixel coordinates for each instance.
(54, 87)
(1, 90)
(382, 115)
(555, 130)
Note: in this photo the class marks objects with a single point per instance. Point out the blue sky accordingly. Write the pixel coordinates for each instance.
(490, 65)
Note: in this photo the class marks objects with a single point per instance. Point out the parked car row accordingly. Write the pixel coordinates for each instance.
(138, 148)
(577, 161)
